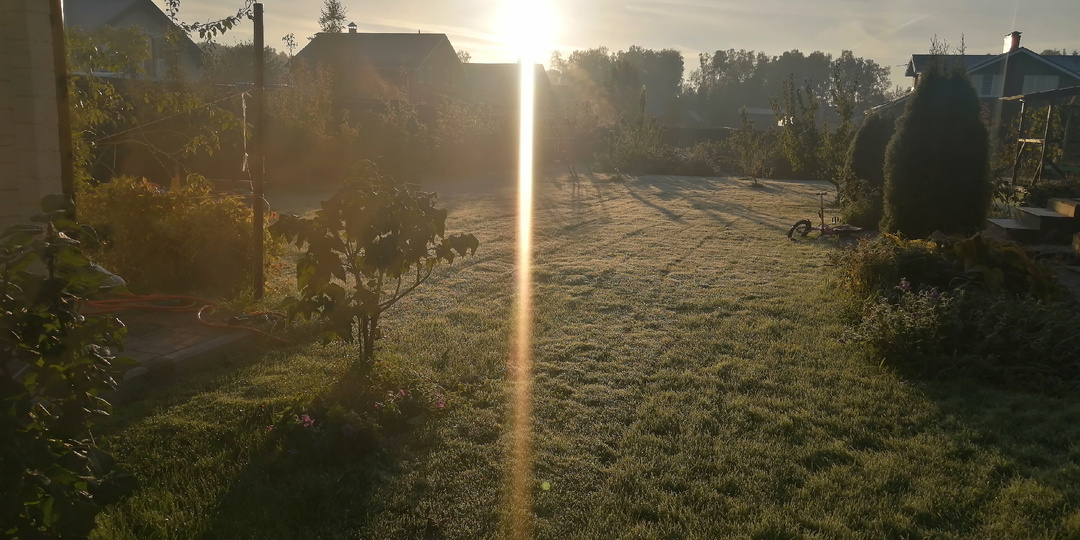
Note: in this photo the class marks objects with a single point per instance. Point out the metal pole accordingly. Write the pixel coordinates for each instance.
(1046, 142)
(63, 114)
(1019, 143)
(257, 152)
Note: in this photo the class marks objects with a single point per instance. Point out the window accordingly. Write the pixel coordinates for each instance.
(1039, 83)
(989, 85)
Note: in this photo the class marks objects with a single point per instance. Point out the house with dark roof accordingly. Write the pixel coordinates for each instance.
(1017, 70)
(91, 15)
(369, 68)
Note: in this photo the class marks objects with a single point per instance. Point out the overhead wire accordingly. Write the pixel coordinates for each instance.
(170, 117)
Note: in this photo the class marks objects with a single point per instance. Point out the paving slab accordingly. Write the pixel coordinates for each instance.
(165, 343)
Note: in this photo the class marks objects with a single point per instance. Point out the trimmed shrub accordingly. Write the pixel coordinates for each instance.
(188, 240)
(862, 189)
(937, 163)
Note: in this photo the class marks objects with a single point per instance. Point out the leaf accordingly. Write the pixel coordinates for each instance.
(100, 461)
(57, 202)
(86, 280)
(22, 230)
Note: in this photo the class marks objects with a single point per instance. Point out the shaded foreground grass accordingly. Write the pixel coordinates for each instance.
(689, 383)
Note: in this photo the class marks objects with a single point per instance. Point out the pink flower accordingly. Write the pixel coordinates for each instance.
(306, 421)
(439, 404)
(401, 393)
(269, 428)
(378, 405)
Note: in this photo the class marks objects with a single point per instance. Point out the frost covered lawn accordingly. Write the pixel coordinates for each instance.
(689, 383)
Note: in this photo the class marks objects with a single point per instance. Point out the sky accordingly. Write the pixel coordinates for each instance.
(886, 31)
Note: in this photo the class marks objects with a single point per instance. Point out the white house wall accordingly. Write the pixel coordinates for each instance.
(29, 133)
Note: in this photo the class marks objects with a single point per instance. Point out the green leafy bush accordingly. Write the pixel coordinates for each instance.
(754, 150)
(801, 139)
(1042, 192)
(970, 304)
(1002, 338)
(907, 329)
(635, 148)
(181, 241)
(937, 163)
(471, 139)
(369, 246)
(55, 367)
(702, 159)
(876, 266)
(365, 414)
(864, 182)
(639, 151)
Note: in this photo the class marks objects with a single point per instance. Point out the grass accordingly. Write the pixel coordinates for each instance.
(689, 383)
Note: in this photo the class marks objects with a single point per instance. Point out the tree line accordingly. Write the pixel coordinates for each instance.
(714, 94)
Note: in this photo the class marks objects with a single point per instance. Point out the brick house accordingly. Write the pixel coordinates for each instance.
(369, 68)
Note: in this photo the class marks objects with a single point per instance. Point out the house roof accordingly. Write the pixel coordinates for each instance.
(918, 63)
(380, 50)
(94, 14)
(1070, 62)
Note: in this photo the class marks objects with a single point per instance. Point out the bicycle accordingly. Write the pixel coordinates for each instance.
(837, 229)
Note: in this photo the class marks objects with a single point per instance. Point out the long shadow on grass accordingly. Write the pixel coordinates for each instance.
(1036, 434)
(667, 212)
(1019, 456)
(695, 194)
(293, 487)
(158, 391)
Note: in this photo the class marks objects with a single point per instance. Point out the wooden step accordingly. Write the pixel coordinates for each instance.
(1013, 229)
(1044, 218)
(1066, 207)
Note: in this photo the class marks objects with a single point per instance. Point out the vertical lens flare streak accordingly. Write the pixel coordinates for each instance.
(521, 361)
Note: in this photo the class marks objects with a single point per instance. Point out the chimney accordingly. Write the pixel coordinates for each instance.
(352, 28)
(1012, 42)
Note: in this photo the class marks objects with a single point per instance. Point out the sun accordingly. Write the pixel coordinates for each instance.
(528, 29)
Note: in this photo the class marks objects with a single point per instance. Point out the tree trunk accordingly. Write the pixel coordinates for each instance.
(369, 327)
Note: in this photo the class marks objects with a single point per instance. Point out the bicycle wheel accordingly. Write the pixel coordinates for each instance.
(802, 227)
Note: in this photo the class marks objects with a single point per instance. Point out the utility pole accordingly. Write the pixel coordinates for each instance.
(257, 169)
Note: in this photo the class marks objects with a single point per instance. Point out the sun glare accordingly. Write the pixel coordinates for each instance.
(528, 30)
